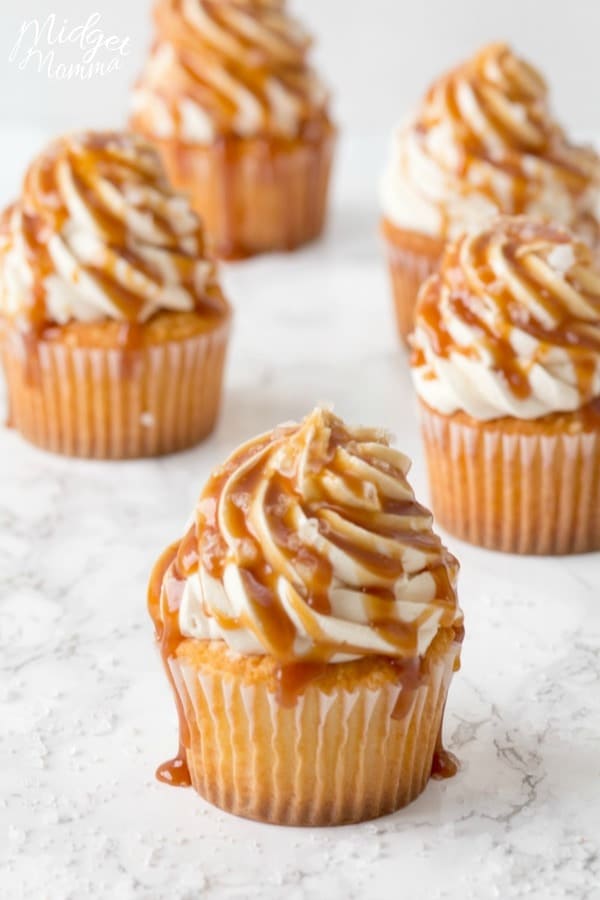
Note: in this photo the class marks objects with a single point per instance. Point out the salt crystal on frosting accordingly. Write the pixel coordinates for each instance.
(562, 258)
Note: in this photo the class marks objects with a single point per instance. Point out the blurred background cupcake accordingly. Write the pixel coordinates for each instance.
(113, 327)
(241, 120)
(482, 142)
(506, 364)
(309, 625)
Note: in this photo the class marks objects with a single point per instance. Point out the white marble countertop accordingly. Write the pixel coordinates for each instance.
(85, 710)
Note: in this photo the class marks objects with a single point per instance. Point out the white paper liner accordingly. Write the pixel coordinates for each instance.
(260, 196)
(331, 758)
(519, 493)
(116, 404)
(408, 270)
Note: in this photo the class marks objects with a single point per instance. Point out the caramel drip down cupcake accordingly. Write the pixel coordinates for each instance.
(507, 368)
(113, 326)
(309, 625)
(241, 120)
(483, 142)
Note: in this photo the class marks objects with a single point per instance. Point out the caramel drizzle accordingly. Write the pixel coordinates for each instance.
(230, 148)
(123, 163)
(250, 43)
(469, 290)
(204, 545)
(497, 79)
(163, 605)
(310, 571)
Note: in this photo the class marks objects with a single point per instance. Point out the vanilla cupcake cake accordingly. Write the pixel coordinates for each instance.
(483, 142)
(309, 625)
(241, 120)
(506, 364)
(113, 327)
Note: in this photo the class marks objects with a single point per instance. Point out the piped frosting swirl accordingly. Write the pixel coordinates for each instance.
(485, 142)
(510, 326)
(308, 544)
(98, 233)
(227, 67)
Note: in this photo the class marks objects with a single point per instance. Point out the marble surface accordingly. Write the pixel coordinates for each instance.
(85, 711)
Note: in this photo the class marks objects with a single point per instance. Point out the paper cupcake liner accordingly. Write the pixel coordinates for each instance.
(532, 493)
(330, 759)
(409, 266)
(113, 403)
(254, 195)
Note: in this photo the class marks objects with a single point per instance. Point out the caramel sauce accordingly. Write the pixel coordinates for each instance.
(411, 675)
(468, 290)
(166, 623)
(292, 680)
(269, 49)
(175, 771)
(276, 627)
(506, 142)
(98, 165)
(228, 149)
(226, 503)
(444, 764)
(278, 52)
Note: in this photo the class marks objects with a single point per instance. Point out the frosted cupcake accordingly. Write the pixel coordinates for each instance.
(507, 368)
(113, 327)
(483, 142)
(309, 626)
(241, 120)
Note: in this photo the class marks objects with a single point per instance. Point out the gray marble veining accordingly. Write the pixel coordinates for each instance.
(85, 711)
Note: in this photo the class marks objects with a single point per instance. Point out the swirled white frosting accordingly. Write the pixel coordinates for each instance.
(98, 233)
(312, 546)
(511, 324)
(484, 142)
(236, 67)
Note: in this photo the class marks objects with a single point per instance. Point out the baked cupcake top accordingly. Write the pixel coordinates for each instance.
(308, 544)
(97, 234)
(227, 67)
(484, 142)
(510, 326)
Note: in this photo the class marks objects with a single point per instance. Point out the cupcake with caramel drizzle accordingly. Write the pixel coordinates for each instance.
(309, 626)
(483, 142)
(506, 364)
(113, 326)
(241, 120)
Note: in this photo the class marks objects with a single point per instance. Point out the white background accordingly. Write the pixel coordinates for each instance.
(378, 56)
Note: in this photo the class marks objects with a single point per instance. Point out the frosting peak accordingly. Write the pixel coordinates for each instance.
(227, 67)
(484, 142)
(511, 324)
(308, 544)
(99, 233)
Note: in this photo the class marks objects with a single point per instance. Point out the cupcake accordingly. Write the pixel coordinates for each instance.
(482, 143)
(309, 626)
(241, 120)
(113, 327)
(506, 364)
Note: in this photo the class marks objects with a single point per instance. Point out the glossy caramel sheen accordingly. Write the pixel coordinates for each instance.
(318, 446)
(229, 56)
(113, 187)
(500, 139)
(521, 276)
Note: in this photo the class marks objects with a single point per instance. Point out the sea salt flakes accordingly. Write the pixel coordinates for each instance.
(561, 258)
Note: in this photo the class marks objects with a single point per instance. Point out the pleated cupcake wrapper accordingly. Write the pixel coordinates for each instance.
(259, 197)
(519, 493)
(330, 759)
(112, 403)
(408, 270)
